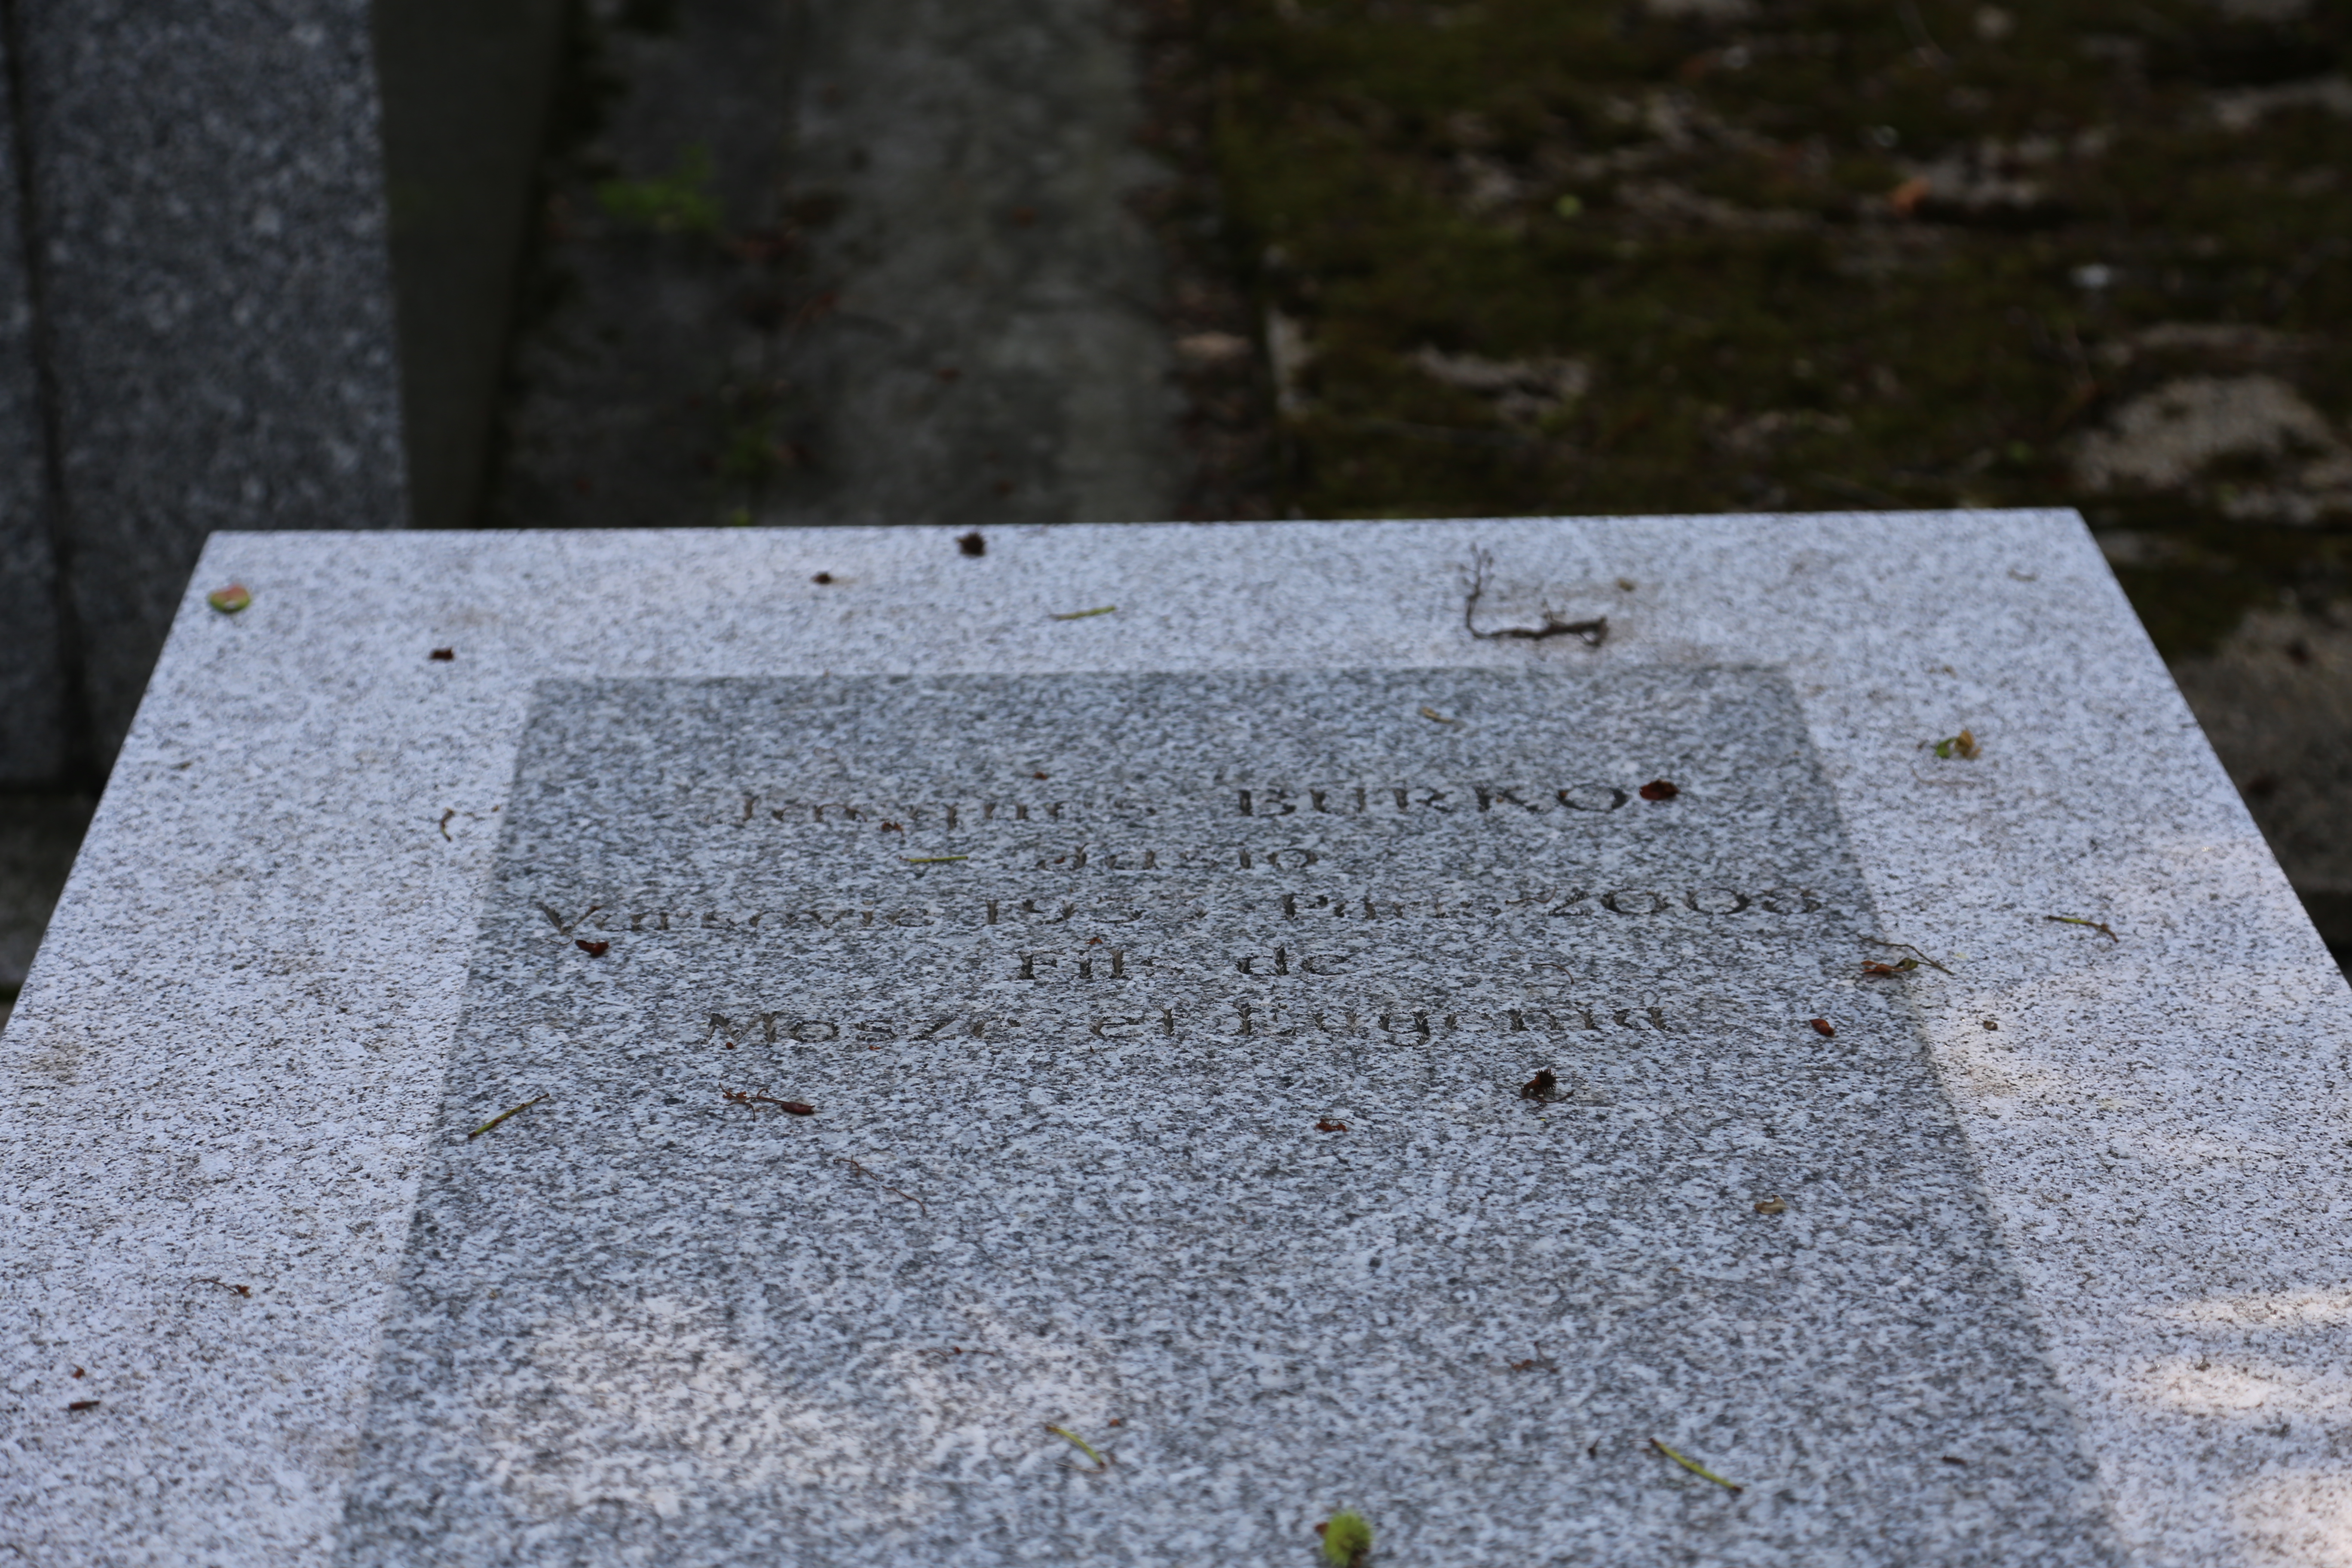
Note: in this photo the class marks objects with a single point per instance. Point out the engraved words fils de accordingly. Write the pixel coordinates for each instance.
(1180, 911)
(1371, 801)
(743, 1027)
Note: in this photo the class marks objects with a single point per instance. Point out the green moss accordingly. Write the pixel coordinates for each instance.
(1764, 328)
(678, 203)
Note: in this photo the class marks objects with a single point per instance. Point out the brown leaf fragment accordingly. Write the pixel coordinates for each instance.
(1328, 1125)
(85, 1405)
(1435, 717)
(593, 949)
(245, 1290)
(1542, 1087)
(973, 543)
(1951, 1459)
(1914, 959)
(1772, 1205)
(756, 1098)
(1659, 789)
(1822, 1027)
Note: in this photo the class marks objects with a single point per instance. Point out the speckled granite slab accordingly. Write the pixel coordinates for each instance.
(1166, 990)
(1167, 1043)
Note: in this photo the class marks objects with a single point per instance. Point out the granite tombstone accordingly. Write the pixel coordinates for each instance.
(816, 1048)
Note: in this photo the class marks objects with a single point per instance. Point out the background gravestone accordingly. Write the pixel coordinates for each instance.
(211, 298)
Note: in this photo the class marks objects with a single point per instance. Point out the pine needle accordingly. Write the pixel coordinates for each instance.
(1101, 1461)
(501, 1116)
(1696, 1468)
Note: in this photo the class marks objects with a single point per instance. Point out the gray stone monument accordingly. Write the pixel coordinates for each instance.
(196, 330)
(1759, 1039)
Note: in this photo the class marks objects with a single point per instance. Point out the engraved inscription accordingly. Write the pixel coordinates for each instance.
(1236, 1068)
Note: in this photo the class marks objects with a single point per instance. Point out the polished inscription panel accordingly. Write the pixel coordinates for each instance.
(1389, 1089)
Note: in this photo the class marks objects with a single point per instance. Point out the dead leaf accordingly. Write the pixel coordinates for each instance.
(1772, 1205)
(1822, 1027)
(1659, 789)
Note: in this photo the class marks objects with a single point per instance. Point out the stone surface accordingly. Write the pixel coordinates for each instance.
(209, 205)
(921, 295)
(991, 278)
(1078, 973)
(300, 960)
(40, 738)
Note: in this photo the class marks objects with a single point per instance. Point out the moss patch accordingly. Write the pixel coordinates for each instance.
(1829, 255)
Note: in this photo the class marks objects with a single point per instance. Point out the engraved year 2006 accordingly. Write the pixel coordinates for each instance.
(1571, 903)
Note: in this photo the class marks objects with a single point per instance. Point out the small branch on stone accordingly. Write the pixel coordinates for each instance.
(2099, 926)
(1906, 947)
(886, 1186)
(1592, 633)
